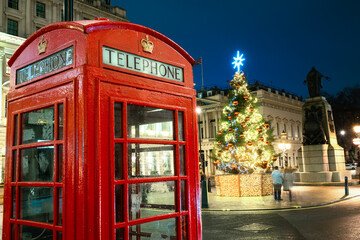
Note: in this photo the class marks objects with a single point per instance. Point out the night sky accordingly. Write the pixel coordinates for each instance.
(280, 39)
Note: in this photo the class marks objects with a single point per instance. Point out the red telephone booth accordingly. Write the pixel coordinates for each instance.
(102, 136)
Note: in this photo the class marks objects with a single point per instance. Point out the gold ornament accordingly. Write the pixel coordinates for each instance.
(219, 153)
(261, 139)
(230, 145)
(219, 144)
(259, 130)
(247, 119)
(249, 143)
(235, 103)
(251, 109)
(229, 117)
(231, 129)
(246, 97)
(233, 166)
(236, 114)
(266, 125)
(243, 124)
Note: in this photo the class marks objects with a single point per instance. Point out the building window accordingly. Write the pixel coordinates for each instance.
(298, 131)
(278, 129)
(285, 127)
(12, 27)
(294, 159)
(13, 4)
(40, 9)
(209, 93)
(292, 131)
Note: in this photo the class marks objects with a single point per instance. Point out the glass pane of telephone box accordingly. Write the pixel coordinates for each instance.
(150, 160)
(36, 204)
(32, 233)
(150, 123)
(151, 199)
(37, 164)
(37, 126)
(162, 229)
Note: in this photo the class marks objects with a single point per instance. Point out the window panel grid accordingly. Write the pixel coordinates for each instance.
(12, 27)
(13, 4)
(57, 211)
(40, 9)
(124, 142)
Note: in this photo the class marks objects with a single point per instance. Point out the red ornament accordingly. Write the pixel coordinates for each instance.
(243, 124)
(233, 166)
(249, 143)
(251, 109)
(230, 145)
(231, 129)
(261, 139)
(266, 125)
(235, 103)
(236, 114)
(238, 86)
(259, 130)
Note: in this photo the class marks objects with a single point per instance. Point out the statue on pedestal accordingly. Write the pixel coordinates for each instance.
(313, 80)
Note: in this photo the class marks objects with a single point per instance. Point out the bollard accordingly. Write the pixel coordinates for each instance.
(204, 196)
(209, 185)
(346, 186)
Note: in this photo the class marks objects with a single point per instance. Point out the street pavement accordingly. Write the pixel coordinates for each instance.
(302, 197)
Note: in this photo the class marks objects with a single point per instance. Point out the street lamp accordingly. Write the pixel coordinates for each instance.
(204, 197)
(284, 146)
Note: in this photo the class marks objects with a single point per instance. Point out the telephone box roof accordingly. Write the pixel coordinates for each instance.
(99, 24)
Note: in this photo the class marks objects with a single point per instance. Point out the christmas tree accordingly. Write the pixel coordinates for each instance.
(244, 141)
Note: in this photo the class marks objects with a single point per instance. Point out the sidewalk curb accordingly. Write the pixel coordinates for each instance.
(279, 209)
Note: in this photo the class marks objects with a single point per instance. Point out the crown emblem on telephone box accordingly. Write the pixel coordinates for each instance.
(42, 45)
(147, 45)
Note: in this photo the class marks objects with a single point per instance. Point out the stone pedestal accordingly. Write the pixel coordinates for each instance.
(321, 159)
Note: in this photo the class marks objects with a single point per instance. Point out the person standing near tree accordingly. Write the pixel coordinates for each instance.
(278, 178)
(288, 181)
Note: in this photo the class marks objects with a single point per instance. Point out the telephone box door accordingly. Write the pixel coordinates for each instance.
(37, 163)
(145, 162)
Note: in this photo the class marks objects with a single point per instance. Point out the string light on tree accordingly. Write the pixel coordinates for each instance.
(243, 143)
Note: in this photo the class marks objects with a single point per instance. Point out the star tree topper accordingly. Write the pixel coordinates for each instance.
(238, 61)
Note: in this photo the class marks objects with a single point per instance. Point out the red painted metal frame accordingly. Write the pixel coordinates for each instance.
(88, 89)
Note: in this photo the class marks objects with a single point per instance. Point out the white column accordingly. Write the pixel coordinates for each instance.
(206, 124)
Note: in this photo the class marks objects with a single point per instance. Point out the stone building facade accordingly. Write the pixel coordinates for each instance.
(282, 109)
(21, 18)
